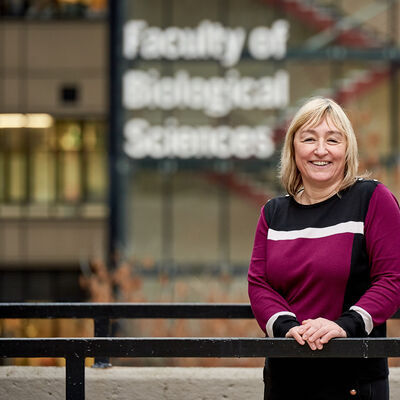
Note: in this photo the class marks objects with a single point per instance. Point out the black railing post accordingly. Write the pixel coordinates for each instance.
(75, 377)
(102, 329)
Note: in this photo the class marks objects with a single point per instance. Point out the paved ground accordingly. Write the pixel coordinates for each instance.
(123, 383)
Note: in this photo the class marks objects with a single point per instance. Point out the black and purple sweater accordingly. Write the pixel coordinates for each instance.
(338, 259)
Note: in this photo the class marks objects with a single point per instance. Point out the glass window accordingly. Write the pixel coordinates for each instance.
(94, 138)
(195, 219)
(2, 166)
(147, 245)
(43, 165)
(16, 168)
(69, 135)
(174, 103)
(43, 162)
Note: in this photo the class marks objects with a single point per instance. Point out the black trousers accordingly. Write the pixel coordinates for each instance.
(309, 386)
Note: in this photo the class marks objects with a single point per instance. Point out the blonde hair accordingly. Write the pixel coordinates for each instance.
(312, 113)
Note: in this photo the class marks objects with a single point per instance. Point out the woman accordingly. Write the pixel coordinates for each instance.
(326, 260)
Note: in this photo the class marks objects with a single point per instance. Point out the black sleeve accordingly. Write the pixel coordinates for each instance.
(352, 322)
(283, 324)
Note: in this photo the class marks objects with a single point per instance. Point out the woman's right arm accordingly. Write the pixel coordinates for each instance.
(270, 309)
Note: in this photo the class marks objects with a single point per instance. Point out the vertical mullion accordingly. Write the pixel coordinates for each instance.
(224, 219)
(58, 162)
(29, 168)
(224, 169)
(7, 169)
(118, 162)
(83, 161)
(167, 216)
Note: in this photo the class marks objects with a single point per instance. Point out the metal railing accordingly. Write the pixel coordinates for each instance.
(75, 350)
(103, 313)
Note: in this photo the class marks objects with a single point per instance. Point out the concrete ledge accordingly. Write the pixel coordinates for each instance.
(123, 383)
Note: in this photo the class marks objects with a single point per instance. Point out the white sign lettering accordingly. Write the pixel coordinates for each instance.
(209, 40)
(265, 43)
(171, 140)
(216, 96)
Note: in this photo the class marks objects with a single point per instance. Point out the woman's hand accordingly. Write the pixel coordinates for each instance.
(316, 332)
(319, 331)
(296, 333)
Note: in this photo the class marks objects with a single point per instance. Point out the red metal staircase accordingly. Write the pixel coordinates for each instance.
(357, 84)
(324, 18)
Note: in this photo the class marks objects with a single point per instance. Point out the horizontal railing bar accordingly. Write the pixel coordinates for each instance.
(130, 310)
(196, 347)
(126, 310)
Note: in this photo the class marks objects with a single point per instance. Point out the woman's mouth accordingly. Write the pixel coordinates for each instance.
(320, 163)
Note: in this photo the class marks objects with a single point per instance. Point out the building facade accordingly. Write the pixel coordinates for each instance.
(162, 143)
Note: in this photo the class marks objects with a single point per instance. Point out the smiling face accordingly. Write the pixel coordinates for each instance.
(320, 154)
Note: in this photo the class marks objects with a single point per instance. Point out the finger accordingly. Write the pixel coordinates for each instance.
(328, 336)
(306, 328)
(312, 345)
(334, 333)
(310, 331)
(301, 330)
(319, 344)
(298, 337)
(293, 333)
(289, 333)
(318, 334)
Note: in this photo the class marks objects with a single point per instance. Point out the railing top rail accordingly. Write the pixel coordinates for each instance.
(196, 347)
(130, 310)
(126, 310)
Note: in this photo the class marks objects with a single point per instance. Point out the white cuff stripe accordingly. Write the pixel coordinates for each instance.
(365, 315)
(270, 324)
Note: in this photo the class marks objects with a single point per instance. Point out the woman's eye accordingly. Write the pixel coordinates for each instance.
(306, 140)
(333, 141)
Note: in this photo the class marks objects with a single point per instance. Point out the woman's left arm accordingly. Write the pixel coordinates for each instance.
(382, 236)
(382, 299)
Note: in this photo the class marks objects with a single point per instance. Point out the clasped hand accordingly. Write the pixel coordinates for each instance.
(316, 332)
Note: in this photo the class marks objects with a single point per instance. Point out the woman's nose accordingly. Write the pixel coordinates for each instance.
(320, 148)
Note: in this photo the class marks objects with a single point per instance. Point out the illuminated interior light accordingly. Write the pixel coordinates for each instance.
(39, 121)
(12, 120)
(8, 121)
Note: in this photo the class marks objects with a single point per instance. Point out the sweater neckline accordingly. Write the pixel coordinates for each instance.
(315, 205)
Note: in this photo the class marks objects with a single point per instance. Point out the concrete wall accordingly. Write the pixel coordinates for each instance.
(40, 57)
(51, 242)
(123, 383)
